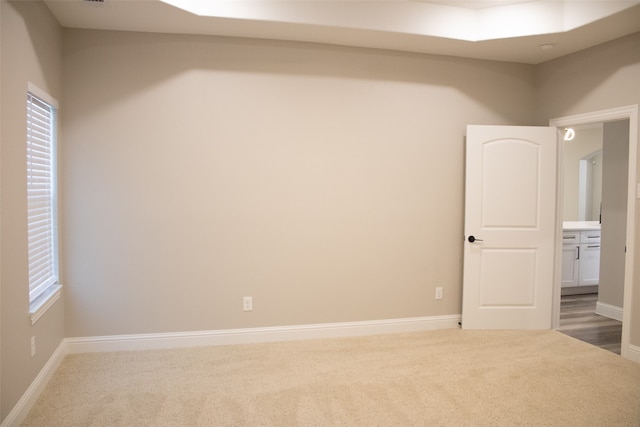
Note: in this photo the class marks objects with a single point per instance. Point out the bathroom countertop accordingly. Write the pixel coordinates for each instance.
(580, 225)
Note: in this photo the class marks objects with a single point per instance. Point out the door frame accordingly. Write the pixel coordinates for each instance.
(627, 112)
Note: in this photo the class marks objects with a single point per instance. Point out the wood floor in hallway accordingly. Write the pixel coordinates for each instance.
(578, 319)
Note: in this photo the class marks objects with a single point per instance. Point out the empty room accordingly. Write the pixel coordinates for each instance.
(319, 213)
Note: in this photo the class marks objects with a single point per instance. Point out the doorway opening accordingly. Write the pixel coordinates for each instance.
(619, 221)
(594, 166)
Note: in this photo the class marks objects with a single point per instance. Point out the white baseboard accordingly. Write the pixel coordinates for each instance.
(633, 353)
(257, 335)
(608, 310)
(29, 398)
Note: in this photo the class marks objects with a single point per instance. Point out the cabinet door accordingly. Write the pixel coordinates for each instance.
(589, 264)
(570, 264)
(590, 237)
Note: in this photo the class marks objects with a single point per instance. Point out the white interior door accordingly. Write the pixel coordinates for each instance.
(510, 225)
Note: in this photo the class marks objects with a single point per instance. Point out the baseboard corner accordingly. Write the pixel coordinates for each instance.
(608, 310)
(31, 395)
(633, 353)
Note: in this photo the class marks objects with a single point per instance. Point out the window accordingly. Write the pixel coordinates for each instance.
(44, 287)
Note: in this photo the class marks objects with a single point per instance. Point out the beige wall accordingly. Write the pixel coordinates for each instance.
(31, 51)
(602, 77)
(325, 182)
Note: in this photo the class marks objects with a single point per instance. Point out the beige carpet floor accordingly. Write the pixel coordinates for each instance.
(433, 378)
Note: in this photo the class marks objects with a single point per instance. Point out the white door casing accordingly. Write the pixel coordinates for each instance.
(629, 112)
(510, 209)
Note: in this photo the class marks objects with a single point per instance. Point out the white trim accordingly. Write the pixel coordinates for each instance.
(633, 353)
(627, 112)
(608, 310)
(44, 302)
(257, 335)
(557, 276)
(611, 114)
(35, 90)
(29, 398)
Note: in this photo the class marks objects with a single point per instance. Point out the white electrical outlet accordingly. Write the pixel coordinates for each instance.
(439, 292)
(247, 303)
(33, 346)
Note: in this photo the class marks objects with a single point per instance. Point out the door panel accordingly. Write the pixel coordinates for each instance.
(589, 264)
(510, 173)
(570, 264)
(510, 211)
(508, 277)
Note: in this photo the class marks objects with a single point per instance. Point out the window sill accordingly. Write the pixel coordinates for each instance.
(44, 302)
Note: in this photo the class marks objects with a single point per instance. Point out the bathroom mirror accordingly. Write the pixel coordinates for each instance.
(582, 161)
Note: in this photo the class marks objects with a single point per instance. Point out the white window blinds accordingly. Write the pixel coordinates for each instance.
(41, 196)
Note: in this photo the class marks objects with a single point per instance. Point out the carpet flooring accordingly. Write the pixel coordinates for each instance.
(433, 378)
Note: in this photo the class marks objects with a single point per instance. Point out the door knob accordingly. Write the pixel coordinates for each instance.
(473, 239)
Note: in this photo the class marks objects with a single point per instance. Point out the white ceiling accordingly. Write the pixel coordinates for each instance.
(505, 30)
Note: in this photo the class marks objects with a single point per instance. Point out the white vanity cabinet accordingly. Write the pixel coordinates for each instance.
(580, 258)
(570, 258)
(589, 258)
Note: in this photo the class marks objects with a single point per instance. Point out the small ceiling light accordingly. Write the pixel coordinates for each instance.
(569, 134)
(547, 46)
